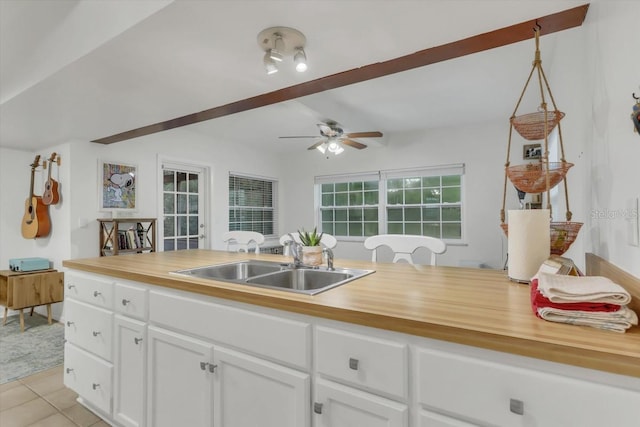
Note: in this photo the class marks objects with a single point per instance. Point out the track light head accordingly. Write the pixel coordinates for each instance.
(269, 64)
(300, 59)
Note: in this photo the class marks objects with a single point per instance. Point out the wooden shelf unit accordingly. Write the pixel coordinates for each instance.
(127, 235)
(20, 290)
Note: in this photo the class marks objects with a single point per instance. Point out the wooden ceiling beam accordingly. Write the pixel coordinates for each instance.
(560, 21)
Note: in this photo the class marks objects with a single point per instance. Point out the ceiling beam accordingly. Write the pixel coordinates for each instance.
(566, 19)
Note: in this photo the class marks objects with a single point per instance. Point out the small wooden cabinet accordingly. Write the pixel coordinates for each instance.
(127, 235)
(19, 290)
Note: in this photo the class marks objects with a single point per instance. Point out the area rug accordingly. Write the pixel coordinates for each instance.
(39, 347)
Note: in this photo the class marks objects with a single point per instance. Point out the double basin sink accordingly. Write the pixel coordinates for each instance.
(276, 275)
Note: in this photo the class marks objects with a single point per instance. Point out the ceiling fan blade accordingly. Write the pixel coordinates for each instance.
(316, 145)
(364, 135)
(305, 136)
(352, 143)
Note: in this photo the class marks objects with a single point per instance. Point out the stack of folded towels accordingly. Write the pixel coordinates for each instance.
(588, 300)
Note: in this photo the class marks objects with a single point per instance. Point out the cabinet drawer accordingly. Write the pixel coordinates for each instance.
(282, 340)
(131, 300)
(90, 328)
(96, 291)
(490, 393)
(363, 361)
(88, 376)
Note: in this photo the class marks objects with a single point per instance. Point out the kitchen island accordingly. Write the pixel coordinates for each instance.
(431, 327)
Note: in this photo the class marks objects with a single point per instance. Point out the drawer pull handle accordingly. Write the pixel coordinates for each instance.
(96, 333)
(95, 386)
(96, 294)
(137, 340)
(353, 363)
(69, 323)
(317, 407)
(516, 406)
(71, 287)
(69, 370)
(206, 365)
(125, 301)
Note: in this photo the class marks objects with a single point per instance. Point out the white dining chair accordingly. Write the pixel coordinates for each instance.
(240, 240)
(328, 241)
(404, 245)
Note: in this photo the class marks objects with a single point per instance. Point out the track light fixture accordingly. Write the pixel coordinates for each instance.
(280, 42)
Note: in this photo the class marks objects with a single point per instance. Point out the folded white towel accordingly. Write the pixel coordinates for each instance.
(617, 321)
(561, 288)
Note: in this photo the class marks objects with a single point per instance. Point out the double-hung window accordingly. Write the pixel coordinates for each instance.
(425, 201)
(252, 204)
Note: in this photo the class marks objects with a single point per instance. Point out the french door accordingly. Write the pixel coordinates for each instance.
(183, 207)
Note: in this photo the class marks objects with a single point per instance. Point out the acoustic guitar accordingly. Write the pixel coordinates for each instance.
(50, 196)
(35, 222)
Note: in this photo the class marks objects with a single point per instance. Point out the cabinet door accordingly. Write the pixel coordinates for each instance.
(129, 372)
(337, 406)
(253, 392)
(179, 385)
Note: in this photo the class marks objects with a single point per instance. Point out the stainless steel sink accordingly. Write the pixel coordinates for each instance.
(275, 275)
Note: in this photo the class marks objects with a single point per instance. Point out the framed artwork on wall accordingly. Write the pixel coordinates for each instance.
(532, 151)
(117, 186)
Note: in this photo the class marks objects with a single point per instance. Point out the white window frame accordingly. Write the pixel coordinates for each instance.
(274, 199)
(382, 177)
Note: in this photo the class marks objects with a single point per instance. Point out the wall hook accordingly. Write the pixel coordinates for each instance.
(635, 97)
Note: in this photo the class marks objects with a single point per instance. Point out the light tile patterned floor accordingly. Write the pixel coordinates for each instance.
(42, 400)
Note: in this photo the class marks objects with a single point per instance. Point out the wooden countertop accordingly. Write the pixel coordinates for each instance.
(477, 307)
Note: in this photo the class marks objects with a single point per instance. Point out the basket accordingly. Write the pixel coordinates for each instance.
(563, 234)
(532, 177)
(531, 126)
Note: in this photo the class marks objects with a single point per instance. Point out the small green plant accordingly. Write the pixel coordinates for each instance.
(310, 238)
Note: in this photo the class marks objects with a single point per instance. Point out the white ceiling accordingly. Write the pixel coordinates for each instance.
(80, 69)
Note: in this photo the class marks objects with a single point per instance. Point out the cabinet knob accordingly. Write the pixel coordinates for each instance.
(208, 366)
(353, 363)
(69, 323)
(96, 294)
(125, 301)
(96, 333)
(516, 406)
(69, 370)
(137, 340)
(203, 365)
(71, 286)
(95, 386)
(317, 407)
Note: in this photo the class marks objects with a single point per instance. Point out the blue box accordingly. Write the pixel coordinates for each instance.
(28, 264)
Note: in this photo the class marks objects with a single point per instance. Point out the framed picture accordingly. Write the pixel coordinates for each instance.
(532, 151)
(117, 186)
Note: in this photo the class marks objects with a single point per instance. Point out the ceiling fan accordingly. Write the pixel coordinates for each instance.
(333, 139)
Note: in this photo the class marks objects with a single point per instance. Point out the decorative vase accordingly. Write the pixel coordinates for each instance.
(312, 255)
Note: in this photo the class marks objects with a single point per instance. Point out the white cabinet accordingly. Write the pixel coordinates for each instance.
(486, 392)
(89, 376)
(180, 388)
(340, 406)
(129, 371)
(430, 419)
(253, 392)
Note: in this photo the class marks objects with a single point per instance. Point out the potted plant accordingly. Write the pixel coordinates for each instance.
(311, 248)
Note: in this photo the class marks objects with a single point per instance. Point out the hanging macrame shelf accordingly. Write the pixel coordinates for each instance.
(540, 177)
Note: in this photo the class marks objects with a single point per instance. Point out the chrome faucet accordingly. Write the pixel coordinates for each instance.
(329, 254)
(295, 249)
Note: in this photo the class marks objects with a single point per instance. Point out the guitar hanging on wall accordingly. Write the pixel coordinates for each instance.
(35, 222)
(50, 196)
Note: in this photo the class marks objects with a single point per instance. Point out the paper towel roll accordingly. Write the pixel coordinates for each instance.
(528, 243)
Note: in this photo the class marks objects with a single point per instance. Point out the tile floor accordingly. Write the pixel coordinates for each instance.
(42, 400)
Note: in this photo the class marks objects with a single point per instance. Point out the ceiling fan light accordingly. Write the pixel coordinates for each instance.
(269, 65)
(338, 150)
(322, 148)
(300, 59)
(333, 146)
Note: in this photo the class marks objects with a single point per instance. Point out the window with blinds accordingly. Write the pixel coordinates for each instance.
(252, 204)
(425, 201)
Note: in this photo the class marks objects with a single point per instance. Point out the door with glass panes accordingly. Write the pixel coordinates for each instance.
(183, 207)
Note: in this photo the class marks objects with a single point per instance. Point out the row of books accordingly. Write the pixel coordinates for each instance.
(128, 239)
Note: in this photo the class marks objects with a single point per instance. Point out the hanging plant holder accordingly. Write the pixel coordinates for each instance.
(532, 126)
(540, 177)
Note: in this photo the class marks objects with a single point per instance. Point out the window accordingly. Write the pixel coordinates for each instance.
(424, 202)
(252, 202)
